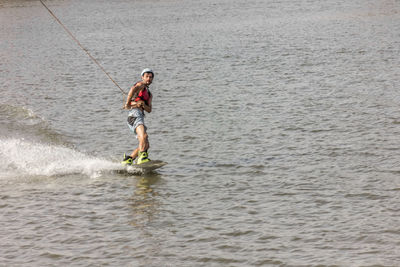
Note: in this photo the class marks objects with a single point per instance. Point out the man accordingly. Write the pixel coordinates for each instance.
(138, 101)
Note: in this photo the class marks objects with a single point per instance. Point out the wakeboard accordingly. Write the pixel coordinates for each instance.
(146, 167)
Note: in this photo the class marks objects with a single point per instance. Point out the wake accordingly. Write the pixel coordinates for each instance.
(21, 157)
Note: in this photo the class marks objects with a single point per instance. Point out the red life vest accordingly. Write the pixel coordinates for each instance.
(143, 95)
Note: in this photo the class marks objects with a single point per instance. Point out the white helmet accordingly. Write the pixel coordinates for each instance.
(147, 70)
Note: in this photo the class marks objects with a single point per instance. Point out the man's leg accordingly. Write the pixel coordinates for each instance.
(135, 153)
(143, 144)
(143, 138)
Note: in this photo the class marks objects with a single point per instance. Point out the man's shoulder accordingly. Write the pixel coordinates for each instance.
(139, 83)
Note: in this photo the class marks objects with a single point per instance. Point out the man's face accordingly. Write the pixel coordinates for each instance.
(147, 78)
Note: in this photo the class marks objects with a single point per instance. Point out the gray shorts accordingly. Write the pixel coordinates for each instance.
(135, 118)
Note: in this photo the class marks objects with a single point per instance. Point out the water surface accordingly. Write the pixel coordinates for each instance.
(279, 121)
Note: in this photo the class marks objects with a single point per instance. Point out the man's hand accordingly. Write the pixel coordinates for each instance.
(127, 106)
(140, 104)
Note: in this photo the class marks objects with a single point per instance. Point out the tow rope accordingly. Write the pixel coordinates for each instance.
(83, 48)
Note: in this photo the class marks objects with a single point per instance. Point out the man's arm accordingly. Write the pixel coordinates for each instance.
(134, 90)
(148, 107)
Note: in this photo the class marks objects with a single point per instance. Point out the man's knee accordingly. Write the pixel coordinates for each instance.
(145, 137)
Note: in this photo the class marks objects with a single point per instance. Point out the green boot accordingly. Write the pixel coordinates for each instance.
(128, 160)
(143, 157)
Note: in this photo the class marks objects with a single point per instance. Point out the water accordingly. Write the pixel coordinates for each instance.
(279, 121)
